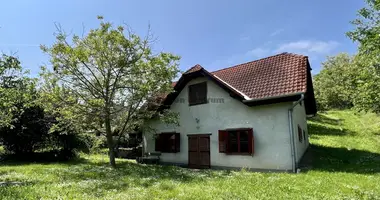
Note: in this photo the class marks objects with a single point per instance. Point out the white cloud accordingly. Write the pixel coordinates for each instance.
(315, 49)
(276, 32)
(308, 46)
(258, 52)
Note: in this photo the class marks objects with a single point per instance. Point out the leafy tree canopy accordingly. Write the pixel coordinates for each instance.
(334, 84)
(367, 34)
(103, 80)
(17, 90)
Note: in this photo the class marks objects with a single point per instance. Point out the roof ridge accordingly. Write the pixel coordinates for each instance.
(283, 53)
(193, 67)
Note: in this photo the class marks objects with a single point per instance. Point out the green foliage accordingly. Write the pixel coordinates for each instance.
(346, 82)
(17, 91)
(28, 132)
(344, 166)
(102, 81)
(367, 79)
(367, 34)
(334, 86)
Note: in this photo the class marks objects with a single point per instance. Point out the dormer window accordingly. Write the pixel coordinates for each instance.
(198, 93)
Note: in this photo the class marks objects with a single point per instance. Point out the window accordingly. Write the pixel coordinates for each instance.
(198, 94)
(167, 142)
(304, 135)
(299, 134)
(237, 141)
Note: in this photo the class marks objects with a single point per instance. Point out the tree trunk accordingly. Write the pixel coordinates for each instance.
(111, 149)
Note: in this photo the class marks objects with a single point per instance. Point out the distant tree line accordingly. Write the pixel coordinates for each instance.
(354, 81)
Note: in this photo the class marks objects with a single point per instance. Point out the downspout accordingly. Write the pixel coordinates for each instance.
(291, 131)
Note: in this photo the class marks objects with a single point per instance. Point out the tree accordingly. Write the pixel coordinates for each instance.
(367, 34)
(367, 91)
(17, 91)
(334, 85)
(102, 81)
(24, 126)
(27, 133)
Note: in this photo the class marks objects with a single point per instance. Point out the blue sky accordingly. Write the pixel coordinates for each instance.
(213, 33)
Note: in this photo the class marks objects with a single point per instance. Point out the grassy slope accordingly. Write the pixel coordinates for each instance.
(345, 165)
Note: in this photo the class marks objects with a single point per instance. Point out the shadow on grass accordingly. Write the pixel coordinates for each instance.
(100, 177)
(340, 160)
(11, 161)
(317, 129)
(97, 177)
(128, 170)
(321, 118)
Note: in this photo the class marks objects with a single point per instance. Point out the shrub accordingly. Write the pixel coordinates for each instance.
(68, 139)
(28, 132)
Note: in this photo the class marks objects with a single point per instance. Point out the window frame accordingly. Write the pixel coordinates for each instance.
(174, 146)
(224, 141)
(300, 138)
(204, 101)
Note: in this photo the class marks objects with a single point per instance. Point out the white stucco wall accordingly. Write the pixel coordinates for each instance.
(270, 126)
(299, 118)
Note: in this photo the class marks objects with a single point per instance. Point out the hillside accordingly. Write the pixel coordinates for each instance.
(345, 141)
(343, 162)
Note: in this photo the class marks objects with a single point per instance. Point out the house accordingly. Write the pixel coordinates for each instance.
(251, 115)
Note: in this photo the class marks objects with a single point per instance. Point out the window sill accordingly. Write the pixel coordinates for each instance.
(239, 154)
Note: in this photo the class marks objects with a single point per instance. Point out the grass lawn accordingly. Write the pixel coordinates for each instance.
(343, 163)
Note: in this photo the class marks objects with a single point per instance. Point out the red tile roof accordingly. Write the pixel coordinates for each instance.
(196, 67)
(273, 76)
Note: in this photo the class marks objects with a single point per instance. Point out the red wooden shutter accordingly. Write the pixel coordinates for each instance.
(222, 141)
(177, 142)
(158, 142)
(251, 142)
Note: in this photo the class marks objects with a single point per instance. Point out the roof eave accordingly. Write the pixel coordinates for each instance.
(273, 97)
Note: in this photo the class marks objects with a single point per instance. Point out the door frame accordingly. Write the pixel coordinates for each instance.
(209, 152)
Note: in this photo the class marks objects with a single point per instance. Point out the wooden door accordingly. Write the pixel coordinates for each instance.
(199, 151)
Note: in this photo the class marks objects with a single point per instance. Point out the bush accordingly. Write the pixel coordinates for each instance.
(29, 133)
(70, 140)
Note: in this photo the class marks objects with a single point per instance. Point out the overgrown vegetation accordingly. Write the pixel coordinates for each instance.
(25, 127)
(345, 165)
(334, 85)
(346, 81)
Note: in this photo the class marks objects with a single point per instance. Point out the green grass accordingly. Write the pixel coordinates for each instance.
(343, 163)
